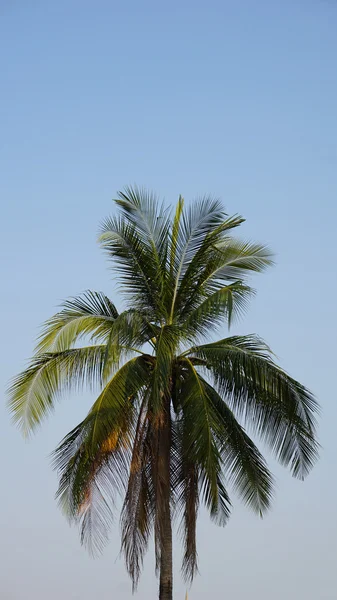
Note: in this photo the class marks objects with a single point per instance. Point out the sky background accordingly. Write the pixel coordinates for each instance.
(237, 99)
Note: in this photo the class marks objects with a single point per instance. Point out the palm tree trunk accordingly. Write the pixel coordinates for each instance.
(165, 582)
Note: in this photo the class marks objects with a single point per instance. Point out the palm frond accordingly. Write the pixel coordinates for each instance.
(202, 264)
(110, 406)
(93, 460)
(185, 492)
(166, 345)
(137, 272)
(200, 424)
(175, 233)
(275, 406)
(90, 314)
(151, 220)
(130, 331)
(195, 224)
(236, 258)
(138, 512)
(33, 392)
(189, 524)
(217, 267)
(152, 223)
(222, 306)
(243, 464)
(89, 481)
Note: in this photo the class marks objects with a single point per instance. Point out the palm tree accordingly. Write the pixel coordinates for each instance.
(168, 429)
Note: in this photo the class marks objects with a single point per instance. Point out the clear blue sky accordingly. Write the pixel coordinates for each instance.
(233, 98)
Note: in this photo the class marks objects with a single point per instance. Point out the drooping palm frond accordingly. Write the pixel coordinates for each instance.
(243, 464)
(91, 314)
(271, 403)
(138, 513)
(33, 392)
(200, 424)
(89, 482)
(190, 499)
(110, 406)
(185, 484)
(97, 454)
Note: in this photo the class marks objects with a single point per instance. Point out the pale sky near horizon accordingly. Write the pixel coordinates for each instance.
(237, 99)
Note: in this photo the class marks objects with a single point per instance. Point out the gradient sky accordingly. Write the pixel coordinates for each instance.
(237, 99)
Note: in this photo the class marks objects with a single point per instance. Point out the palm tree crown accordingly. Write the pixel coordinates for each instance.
(168, 429)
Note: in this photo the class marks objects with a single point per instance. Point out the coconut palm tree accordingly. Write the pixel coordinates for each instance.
(168, 430)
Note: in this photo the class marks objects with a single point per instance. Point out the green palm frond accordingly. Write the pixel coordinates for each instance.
(97, 454)
(195, 224)
(89, 482)
(91, 314)
(138, 512)
(200, 422)
(190, 497)
(216, 267)
(175, 233)
(130, 331)
(244, 466)
(150, 219)
(273, 405)
(152, 224)
(133, 263)
(165, 348)
(201, 265)
(33, 392)
(185, 485)
(113, 401)
(236, 259)
(219, 308)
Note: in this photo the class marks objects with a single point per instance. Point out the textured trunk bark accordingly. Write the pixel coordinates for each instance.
(166, 583)
(166, 579)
